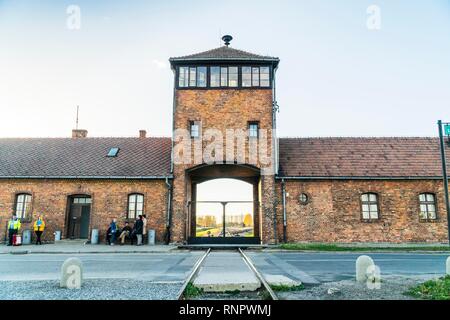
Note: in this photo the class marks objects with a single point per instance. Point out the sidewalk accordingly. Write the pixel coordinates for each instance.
(67, 246)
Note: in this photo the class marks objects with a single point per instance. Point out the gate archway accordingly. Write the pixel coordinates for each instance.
(223, 206)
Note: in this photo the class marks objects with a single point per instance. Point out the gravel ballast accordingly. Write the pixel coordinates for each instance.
(95, 289)
(392, 288)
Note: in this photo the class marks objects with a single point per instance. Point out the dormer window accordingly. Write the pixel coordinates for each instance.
(113, 152)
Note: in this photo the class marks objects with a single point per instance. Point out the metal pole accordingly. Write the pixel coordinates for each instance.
(283, 187)
(444, 173)
(224, 204)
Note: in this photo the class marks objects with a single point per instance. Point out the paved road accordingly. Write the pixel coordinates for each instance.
(175, 266)
(327, 267)
(155, 267)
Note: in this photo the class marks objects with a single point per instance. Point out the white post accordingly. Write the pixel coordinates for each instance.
(71, 274)
(362, 265)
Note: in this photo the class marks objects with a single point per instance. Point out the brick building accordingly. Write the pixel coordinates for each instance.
(224, 131)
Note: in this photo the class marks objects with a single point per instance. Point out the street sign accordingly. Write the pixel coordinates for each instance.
(447, 129)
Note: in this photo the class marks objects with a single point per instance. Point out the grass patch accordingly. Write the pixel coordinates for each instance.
(192, 291)
(432, 290)
(335, 247)
(285, 288)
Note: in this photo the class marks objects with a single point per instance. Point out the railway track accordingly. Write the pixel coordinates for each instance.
(248, 262)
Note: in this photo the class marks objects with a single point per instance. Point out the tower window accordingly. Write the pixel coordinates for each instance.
(194, 129)
(183, 77)
(192, 77)
(264, 76)
(246, 77)
(201, 77)
(224, 77)
(233, 76)
(253, 128)
(255, 76)
(215, 80)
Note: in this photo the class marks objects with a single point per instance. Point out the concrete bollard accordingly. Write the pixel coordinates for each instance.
(26, 237)
(362, 265)
(447, 266)
(151, 237)
(71, 274)
(94, 236)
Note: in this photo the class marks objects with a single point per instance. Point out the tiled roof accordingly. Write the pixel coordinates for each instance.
(361, 157)
(85, 157)
(150, 157)
(225, 53)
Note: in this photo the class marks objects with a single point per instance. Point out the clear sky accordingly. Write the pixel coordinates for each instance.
(336, 78)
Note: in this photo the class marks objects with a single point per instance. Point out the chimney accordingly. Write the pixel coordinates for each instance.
(79, 133)
(142, 134)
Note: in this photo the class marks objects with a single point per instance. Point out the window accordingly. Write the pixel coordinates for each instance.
(224, 77)
(233, 77)
(194, 129)
(183, 77)
(82, 200)
(303, 198)
(135, 205)
(201, 77)
(253, 128)
(246, 77)
(113, 152)
(369, 202)
(215, 77)
(427, 206)
(23, 205)
(192, 77)
(264, 77)
(255, 76)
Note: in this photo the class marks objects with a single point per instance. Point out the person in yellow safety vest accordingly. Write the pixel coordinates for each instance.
(39, 226)
(13, 228)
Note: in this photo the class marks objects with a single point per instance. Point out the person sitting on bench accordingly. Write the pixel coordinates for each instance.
(126, 232)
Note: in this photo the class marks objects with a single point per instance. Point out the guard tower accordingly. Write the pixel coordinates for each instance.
(224, 128)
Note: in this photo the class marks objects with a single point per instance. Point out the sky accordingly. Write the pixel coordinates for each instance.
(337, 76)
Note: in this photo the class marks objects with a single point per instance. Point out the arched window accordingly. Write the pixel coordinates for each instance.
(23, 205)
(427, 206)
(135, 205)
(369, 206)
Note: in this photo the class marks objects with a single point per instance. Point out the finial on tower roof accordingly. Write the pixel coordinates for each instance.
(227, 39)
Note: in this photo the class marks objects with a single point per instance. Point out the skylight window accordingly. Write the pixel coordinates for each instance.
(113, 152)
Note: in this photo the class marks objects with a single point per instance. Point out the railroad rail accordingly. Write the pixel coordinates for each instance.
(247, 261)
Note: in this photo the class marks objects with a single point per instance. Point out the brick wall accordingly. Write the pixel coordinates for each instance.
(334, 212)
(109, 200)
(222, 110)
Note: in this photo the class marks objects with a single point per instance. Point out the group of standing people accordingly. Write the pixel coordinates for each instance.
(138, 231)
(14, 226)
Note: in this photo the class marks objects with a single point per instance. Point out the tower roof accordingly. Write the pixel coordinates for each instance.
(224, 53)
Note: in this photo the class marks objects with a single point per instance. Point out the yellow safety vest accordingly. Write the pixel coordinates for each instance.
(15, 225)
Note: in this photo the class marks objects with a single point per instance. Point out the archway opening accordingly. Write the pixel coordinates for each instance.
(223, 204)
(224, 208)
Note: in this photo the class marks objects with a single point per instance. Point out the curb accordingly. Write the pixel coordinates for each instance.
(21, 252)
